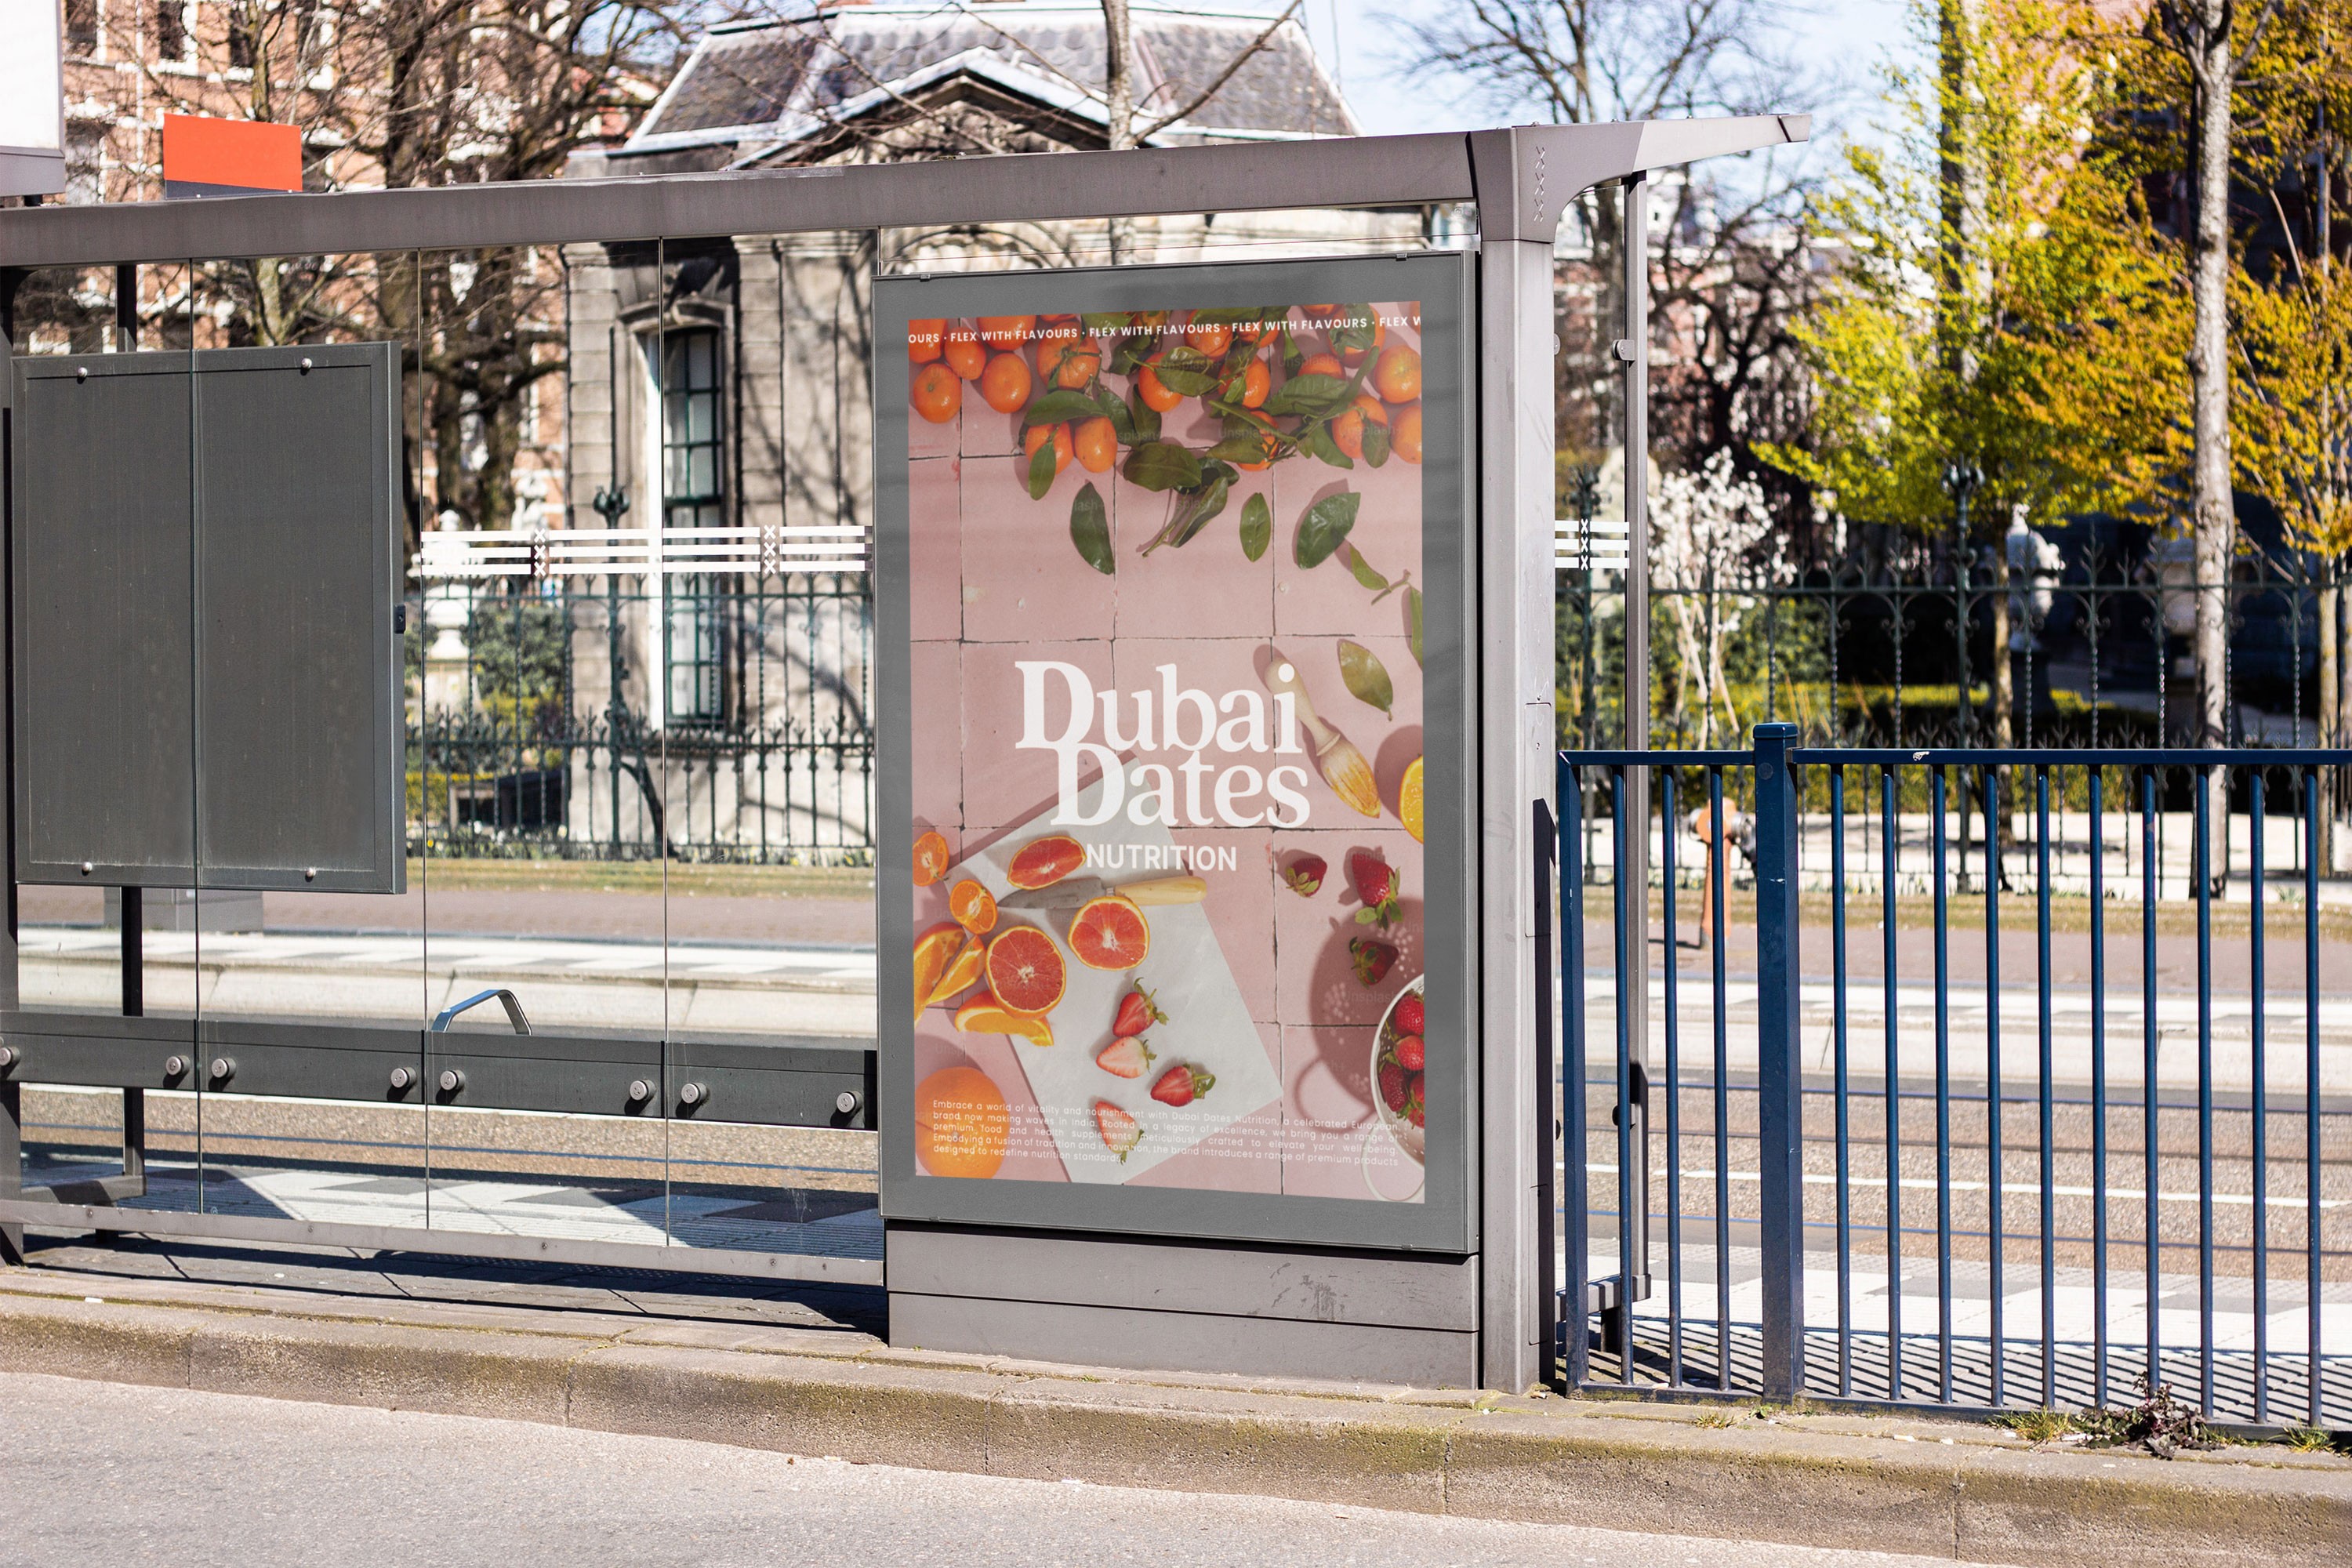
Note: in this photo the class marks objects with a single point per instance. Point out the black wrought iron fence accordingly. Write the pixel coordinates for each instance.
(2095, 655)
(727, 720)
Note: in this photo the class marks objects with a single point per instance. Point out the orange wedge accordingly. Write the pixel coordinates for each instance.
(984, 1014)
(934, 950)
(962, 972)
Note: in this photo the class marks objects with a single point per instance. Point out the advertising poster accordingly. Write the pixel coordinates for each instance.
(1172, 642)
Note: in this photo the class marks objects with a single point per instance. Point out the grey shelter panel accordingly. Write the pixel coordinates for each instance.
(105, 706)
(298, 714)
(259, 492)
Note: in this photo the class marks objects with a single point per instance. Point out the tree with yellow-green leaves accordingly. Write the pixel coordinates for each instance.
(2292, 424)
(2004, 328)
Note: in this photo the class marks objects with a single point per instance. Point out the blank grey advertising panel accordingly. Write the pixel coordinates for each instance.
(205, 557)
(1175, 828)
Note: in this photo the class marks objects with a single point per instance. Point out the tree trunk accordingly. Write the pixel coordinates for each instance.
(2214, 71)
(1118, 98)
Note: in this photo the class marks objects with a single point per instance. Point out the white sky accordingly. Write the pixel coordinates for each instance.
(1357, 39)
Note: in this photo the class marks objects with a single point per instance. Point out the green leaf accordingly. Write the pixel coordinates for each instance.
(1185, 371)
(1162, 465)
(1257, 526)
(1041, 469)
(1412, 620)
(1324, 527)
(1362, 568)
(1240, 449)
(1061, 405)
(1316, 396)
(1376, 442)
(1114, 408)
(1366, 676)
(1316, 439)
(1352, 330)
(1103, 321)
(1143, 417)
(1199, 508)
(1090, 531)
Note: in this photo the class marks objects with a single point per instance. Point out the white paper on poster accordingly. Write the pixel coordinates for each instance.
(1209, 1024)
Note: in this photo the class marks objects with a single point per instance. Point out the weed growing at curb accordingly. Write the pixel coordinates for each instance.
(2037, 1427)
(1718, 1419)
(2312, 1441)
(2158, 1422)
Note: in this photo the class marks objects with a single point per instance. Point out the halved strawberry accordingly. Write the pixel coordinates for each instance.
(1372, 959)
(1410, 1015)
(1119, 1131)
(1305, 875)
(1137, 1013)
(1409, 1053)
(1126, 1057)
(1377, 884)
(1393, 1078)
(1183, 1084)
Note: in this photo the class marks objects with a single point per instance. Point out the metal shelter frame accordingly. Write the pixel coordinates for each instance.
(1519, 180)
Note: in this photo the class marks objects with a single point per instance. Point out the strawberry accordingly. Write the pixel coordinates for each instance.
(1305, 875)
(1412, 1110)
(1410, 1015)
(1372, 959)
(1377, 884)
(1125, 1057)
(1120, 1132)
(1137, 1013)
(1409, 1053)
(1183, 1084)
(1392, 1086)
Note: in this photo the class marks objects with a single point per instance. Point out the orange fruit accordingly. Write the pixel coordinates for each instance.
(973, 906)
(1257, 382)
(1322, 364)
(934, 950)
(1005, 382)
(963, 352)
(1269, 444)
(1380, 335)
(961, 1123)
(937, 392)
(1046, 861)
(1320, 312)
(962, 971)
(1025, 970)
(931, 858)
(1404, 435)
(1067, 357)
(1097, 444)
(1037, 436)
(1408, 800)
(1347, 430)
(1397, 378)
(1155, 393)
(1007, 332)
(1212, 338)
(984, 1014)
(923, 339)
(1110, 932)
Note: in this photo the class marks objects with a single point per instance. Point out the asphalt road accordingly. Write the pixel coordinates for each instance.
(103, 1473)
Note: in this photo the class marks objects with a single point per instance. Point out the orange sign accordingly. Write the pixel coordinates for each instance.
(229, 157)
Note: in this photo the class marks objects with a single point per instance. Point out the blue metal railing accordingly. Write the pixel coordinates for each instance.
(1781, 1196)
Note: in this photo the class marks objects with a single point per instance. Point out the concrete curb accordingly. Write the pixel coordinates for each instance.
(1970, 1494)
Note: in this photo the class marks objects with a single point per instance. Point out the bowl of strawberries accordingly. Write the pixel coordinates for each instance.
(1397, 1069)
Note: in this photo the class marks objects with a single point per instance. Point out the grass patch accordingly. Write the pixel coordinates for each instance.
(2037, 1427)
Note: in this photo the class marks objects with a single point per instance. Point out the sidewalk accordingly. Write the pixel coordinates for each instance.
(802, 1370)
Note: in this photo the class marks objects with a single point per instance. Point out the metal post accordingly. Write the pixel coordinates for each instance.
(1518, 217)
(1547, 1068)
(1575, 1362)
(1779, 1082)
(1633, 981)
(132, 903)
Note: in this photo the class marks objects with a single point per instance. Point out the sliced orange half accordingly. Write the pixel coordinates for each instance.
(1110, 932)
(1025, 970)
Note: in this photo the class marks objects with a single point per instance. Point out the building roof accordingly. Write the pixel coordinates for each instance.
(762, 87)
